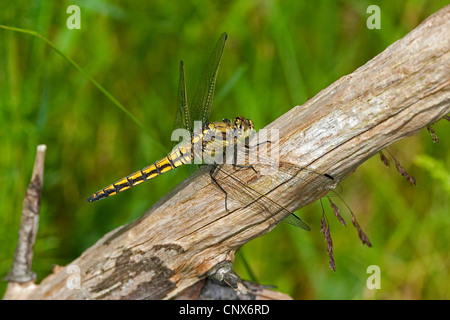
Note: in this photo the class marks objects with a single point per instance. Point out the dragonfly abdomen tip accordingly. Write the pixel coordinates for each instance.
(93, 198)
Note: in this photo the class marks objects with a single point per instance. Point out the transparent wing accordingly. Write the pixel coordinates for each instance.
(295, 221)
(182, 119)
(203, 97)
(267, 165)
(267, 170)
(237, 190)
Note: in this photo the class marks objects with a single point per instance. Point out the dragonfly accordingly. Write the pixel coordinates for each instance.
(204, 142)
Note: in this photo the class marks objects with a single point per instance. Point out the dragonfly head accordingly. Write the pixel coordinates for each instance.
(243, 124)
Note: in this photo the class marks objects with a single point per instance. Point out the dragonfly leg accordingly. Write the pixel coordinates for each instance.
(235, 154)
(247, 146)
(213, 178)
(245, 166)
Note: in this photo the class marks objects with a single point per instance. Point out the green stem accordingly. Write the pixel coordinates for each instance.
(89, 77)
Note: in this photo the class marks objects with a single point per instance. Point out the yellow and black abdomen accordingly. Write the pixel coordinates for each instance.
(176, 158)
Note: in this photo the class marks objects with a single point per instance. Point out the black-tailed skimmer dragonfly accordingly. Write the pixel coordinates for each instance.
(204, 142)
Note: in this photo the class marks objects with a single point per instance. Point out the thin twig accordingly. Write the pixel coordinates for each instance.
(91, 79)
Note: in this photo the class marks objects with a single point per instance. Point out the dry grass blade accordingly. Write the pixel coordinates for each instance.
(384, 159)
(402, 170)
(433, 133)
(365, 240)
(362, 236)
(325, 229)
(336, 212)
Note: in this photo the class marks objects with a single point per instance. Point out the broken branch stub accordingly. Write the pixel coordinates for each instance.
(21, 269)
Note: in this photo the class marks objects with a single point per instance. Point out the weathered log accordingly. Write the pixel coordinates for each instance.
(187, 232)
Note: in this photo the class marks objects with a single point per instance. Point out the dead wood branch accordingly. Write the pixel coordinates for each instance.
(185, 234)
(20, 275)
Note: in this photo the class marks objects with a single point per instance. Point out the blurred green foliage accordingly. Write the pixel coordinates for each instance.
(279, 54)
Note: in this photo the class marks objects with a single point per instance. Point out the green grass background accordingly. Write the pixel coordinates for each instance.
(279, 54)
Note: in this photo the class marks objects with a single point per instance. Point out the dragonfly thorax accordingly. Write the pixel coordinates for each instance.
(226, 130)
